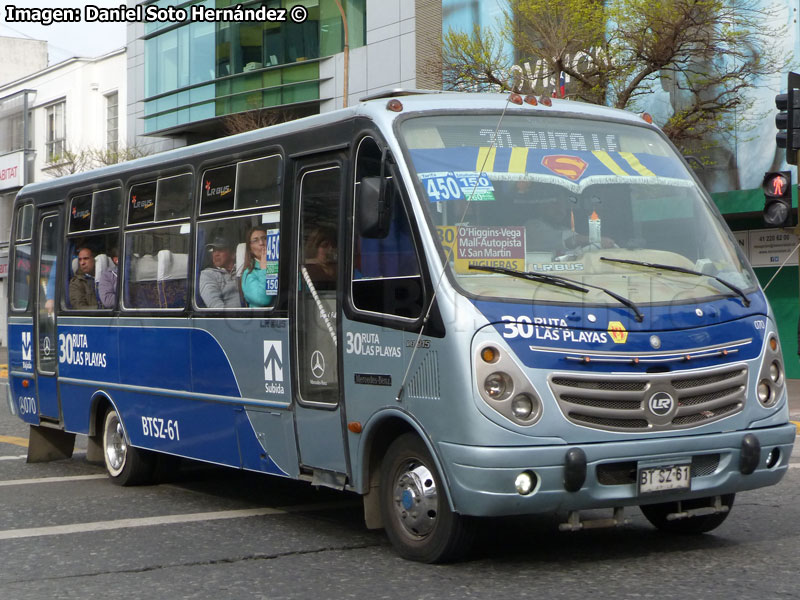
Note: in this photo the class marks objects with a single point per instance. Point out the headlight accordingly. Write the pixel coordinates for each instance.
(775, 372)
(764, 391)
(522, 406)
(498, 386)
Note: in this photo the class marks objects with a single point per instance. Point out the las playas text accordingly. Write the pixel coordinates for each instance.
(145, 14)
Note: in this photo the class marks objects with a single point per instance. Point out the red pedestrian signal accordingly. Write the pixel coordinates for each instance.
(777, 188)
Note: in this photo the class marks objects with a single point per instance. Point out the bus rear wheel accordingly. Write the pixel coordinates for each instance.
(657, 515)
(414, 507)
(125, 464)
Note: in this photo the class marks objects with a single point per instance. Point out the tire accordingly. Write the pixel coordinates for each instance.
(657, 515)
(125, 464)
(414, 506)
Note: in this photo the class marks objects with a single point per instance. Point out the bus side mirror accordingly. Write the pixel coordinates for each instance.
(374, 207)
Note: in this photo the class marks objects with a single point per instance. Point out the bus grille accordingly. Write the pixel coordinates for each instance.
(616, 403)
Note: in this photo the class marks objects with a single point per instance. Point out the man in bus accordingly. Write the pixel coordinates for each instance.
(82, 293)
(218, 286)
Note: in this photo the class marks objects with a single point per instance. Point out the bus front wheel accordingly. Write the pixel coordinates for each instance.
(657, 514)
(414, 506)
(125, 464)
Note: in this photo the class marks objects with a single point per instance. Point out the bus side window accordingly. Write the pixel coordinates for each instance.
(386, 272)
(156, 268)
(21, 270)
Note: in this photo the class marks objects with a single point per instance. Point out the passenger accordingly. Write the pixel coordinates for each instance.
(320, 254)
(254, 276)
(218, 287)
(107, 284)
(82, 294)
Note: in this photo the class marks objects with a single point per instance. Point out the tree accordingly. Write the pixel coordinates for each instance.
(77, 160)
(256, 119)
(706, 54)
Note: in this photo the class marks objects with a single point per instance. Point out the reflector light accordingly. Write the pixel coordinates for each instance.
(394, 105)
(647, 118)
(354, 427)
(515, 98)
(531, 99)
(545, 100)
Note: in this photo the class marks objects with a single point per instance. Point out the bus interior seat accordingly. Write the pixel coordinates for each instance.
(241, 257)
(172, 270)
(142, 288)
(101, 264)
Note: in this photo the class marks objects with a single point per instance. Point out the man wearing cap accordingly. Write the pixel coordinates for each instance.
(218, 287)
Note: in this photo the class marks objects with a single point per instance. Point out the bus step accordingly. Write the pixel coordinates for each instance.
(575, 523)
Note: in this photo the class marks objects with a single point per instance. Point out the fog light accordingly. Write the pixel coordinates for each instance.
(764, 391)
(773, 458)
(498, 386)
(522, 406)
(524, 483)
(775, 372)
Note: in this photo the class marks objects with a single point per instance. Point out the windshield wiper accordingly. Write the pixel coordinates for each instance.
(541, 278)
(561, 282)
(640, 263)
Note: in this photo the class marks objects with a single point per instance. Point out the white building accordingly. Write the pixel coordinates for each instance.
(52, 120)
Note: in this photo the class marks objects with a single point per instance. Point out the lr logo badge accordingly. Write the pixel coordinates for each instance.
(273, 361)
(26, 345)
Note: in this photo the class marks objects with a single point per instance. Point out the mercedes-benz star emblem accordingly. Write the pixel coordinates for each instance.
(317, 364)
(655, 342)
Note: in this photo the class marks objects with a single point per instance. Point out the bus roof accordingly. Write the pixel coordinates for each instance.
(373, 107)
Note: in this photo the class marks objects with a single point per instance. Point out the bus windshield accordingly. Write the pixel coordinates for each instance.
(555, 195)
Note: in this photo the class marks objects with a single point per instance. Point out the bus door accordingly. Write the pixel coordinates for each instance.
(318, 402)
(46, 348)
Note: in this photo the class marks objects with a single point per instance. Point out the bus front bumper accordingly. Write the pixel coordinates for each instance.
(482, 479)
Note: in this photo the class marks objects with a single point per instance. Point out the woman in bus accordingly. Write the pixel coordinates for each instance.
(254, 277)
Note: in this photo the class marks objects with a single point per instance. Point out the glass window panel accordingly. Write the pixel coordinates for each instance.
(80, 214)
(21, 277)
(174, 197)
(25, 222)
(143, 203)
(217, 192)
(258, 182)
(156, 268)
(106, 206)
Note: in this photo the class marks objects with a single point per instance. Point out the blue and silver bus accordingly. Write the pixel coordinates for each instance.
(455, 305)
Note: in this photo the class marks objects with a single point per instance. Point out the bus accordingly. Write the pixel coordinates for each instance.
(458, 306)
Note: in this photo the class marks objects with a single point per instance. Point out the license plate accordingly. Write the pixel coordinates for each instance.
(664, 478)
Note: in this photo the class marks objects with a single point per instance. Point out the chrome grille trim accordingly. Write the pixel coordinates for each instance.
(620, 402)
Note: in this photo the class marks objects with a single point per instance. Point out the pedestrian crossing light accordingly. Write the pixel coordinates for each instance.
(778, 199)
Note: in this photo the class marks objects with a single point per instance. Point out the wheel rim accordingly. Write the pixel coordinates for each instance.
(416, 501)
(116, 448)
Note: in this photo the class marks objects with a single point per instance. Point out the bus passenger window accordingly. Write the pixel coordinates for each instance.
(142, 207)
(174, 197)
(106, 205)
(257, 182)
(89, 257)
(21, 269)
(386, 273)
(156, 268)
(237, 262)
(216, 194)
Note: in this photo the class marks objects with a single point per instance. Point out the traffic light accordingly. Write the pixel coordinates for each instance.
(778, 199)
(788, 119)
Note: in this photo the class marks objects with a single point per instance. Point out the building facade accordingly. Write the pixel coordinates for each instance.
(186, 79)
(58, 120)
